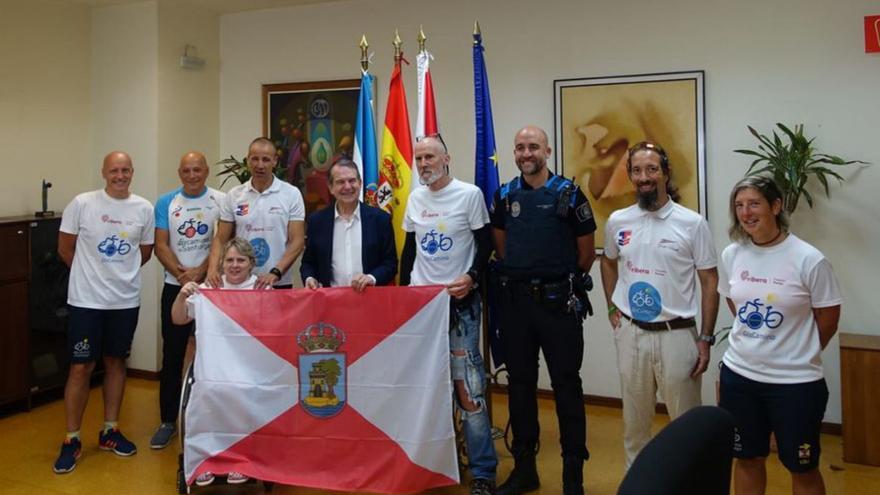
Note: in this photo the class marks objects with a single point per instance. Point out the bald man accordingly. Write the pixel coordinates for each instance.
(185, 221)
(105, 238)
(543, 228)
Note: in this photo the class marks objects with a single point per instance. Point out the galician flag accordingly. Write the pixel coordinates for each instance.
(310, 388)
(365, 153)
(395, 169)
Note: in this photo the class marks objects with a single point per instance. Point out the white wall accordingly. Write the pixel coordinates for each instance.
(145, 104)
(125, 105)
(44, 104)
(788, 61)
(189, 101)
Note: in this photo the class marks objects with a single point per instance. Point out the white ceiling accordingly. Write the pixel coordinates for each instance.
(219, 6)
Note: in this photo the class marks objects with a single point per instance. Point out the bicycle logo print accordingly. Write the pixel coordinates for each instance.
(433, 242)
(644, 301)
(114, 245)
(192, 227)
(750, 314)
(261, 250)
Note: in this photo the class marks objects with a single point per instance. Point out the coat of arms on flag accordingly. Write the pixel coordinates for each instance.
(321, 370)
(328, 389)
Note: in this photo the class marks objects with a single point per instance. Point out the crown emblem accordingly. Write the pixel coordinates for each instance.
(320, 337)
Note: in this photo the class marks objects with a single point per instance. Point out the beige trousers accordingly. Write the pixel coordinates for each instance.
(648, 361)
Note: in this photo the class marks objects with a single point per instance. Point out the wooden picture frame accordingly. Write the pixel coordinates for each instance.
(312, 124)
(598, 119)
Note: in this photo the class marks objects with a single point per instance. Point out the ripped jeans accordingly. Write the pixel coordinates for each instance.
(464, 334)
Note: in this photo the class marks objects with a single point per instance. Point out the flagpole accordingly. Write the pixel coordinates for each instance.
(365, 60)
(422, 38)
(486, 178)
(365, 154)
(398, 47)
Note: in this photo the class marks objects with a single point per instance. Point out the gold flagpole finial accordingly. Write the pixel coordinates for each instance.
(422, 38)
(365, 60)
(398, 46)
(476, 31)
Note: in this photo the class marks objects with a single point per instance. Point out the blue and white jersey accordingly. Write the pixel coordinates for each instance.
(191, 222)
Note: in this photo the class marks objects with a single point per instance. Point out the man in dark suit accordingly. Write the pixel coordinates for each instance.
(349, 243)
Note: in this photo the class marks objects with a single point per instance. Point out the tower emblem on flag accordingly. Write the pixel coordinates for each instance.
(322, 370)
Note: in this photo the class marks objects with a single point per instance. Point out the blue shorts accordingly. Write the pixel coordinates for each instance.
(93, 333)
(793, 412)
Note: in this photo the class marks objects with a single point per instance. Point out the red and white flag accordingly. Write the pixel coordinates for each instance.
(310, 388)
(426, 120)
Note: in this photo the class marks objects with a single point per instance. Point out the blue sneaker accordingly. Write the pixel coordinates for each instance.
(70, 451)
(163, 435)
(115, 441)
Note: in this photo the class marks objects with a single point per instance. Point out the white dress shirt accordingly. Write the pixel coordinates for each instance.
(346, 261)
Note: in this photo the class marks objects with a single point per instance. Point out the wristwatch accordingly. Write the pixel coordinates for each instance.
(275, 271)
(708, 338)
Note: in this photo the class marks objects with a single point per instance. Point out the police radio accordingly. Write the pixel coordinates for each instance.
(565, 197)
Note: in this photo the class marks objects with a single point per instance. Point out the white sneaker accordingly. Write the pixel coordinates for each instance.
(235, 478)
(205, 479)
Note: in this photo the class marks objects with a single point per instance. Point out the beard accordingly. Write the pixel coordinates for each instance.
(434, 177)
(529, 168)
(648, 199)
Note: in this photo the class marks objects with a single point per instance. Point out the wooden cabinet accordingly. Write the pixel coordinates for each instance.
(860, 390)
(33, 306)
(14, 267)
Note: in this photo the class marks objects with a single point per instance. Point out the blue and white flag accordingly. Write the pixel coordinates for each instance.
(366, 155)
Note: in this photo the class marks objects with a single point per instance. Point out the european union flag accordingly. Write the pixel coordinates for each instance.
(486, 178)
(486, 165)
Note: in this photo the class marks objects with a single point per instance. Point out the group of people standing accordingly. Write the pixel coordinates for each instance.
(781, 291)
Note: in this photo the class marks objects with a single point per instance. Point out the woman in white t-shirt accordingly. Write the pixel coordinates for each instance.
(786, 304)
(238, 264)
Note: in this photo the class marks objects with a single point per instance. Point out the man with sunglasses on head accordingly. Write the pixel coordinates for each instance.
(543, 227)
(266, 211)
(448, 243)
(654, 252)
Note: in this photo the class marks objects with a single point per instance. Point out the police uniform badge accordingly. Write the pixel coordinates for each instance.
(584, 212)
(322, 379)
(515, 209)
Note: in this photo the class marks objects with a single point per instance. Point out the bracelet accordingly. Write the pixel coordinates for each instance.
(275, 271)
(612, 309)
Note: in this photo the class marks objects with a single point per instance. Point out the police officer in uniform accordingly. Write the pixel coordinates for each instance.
(543, 228)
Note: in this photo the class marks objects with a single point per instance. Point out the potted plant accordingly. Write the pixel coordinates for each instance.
(792, 164)
(233, 167)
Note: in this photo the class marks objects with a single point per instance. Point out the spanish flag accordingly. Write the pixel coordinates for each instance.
(395, 169)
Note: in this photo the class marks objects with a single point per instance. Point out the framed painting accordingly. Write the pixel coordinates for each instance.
(598, 119)
(312, 125)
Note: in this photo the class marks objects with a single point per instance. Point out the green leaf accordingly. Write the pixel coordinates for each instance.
(808, 197)
(791, 158)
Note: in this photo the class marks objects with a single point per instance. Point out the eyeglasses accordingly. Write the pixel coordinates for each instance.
(436, 136)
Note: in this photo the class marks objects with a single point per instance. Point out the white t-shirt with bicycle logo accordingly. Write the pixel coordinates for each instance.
(443, 222)
(774, 337)
(106, 265)
(659, 254)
